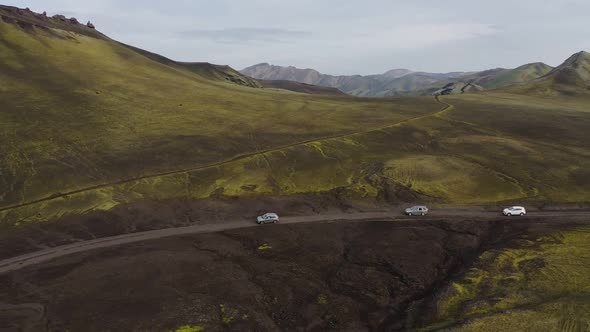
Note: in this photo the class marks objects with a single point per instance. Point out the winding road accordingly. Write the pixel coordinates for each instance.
(22, 261)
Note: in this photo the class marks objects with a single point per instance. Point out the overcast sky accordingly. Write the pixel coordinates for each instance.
(342, 36)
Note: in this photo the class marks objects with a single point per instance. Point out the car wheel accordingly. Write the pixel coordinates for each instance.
(274, 221)
(521, 214)
(422, 213)
(508, 214)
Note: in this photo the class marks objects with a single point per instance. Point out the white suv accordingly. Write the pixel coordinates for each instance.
(514, 211)
(267, 218)
(416, 211)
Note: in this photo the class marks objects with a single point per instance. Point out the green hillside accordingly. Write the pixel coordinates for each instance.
(488, 79)
(522, 74)
(571, 78)
(80, 111)
(88, 123)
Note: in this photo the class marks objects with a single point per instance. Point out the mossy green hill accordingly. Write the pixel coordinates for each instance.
(571, 78)
(89, 123)
(488, 79)
(80, 111)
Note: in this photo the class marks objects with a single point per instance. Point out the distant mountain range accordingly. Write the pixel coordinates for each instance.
(403, 81)
(371, 85)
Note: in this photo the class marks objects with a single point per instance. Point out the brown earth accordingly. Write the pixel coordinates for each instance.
(345, 276)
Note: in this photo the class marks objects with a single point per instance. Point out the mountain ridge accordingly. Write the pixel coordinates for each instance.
(404, 82)
(488, 79)
(377, 85)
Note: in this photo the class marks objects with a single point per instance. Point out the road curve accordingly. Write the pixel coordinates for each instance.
(19, 262)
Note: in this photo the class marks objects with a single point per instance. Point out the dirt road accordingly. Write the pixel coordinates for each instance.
(18, 262)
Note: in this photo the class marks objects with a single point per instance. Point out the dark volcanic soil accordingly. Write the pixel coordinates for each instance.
(144, 215)
(313, 277)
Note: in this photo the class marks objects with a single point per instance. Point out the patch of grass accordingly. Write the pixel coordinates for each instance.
(227, 316)
(322, 299)
(451, 178)
(189, 328)
(265, 246)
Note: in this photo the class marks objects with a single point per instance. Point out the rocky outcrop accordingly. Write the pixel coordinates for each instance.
(27, 19)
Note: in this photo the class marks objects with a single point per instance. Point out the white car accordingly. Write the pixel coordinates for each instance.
(416, 211)
(267, 218)
(514, 211)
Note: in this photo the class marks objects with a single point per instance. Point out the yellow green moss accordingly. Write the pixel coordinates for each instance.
(265, 246)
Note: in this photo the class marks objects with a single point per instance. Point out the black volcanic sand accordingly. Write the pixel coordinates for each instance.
(347, 276)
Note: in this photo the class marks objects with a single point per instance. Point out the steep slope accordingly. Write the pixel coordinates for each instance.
(219, 72)
(392, 82)
(204, 69)
(30, 20)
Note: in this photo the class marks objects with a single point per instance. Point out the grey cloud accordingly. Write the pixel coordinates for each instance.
(245, 34)
(342, 36)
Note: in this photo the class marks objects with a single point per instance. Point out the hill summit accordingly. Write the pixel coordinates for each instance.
(572, 77)
(573, 71)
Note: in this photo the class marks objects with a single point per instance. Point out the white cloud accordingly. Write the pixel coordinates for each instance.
(242, 35)
(427, 35)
